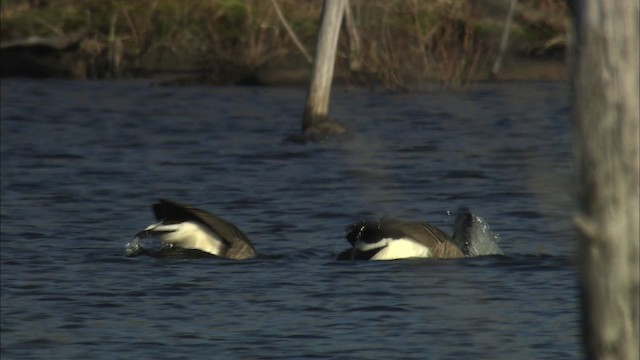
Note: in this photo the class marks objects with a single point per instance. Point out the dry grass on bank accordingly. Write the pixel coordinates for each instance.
(225, 41)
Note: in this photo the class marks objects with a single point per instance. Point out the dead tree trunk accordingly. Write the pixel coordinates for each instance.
(606, 114)
(317, 105)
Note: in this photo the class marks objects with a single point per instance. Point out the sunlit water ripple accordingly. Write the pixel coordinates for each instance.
(82, 161)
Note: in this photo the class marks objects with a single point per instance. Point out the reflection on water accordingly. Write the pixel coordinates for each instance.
(82, 162)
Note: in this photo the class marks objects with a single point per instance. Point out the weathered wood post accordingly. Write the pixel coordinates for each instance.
(314, 119)
(606, 115)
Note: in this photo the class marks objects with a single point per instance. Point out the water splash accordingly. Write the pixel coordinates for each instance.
(141, 245)
(474, 236)
(133, 248)
(485, 241)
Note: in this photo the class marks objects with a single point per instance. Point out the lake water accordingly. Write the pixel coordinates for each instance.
(82, 161)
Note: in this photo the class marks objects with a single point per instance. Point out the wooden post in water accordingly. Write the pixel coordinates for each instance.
(606, 119)
(314, 119)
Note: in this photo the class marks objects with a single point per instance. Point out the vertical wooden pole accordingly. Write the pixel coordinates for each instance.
(317, 104)
(606, 142)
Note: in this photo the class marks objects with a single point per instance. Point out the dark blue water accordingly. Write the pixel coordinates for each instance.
(82, 162)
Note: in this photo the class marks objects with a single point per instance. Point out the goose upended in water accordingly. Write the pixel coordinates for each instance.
(389, 239)
(187, 231)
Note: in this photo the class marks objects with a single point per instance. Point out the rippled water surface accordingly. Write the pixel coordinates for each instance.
(82, 161)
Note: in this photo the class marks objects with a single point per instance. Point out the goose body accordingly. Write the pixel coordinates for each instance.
(388, 239)
(190, 230)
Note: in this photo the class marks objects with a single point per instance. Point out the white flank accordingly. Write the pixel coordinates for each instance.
(395, 249)
(189, 235)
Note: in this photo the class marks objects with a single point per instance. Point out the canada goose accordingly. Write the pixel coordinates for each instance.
(190, 230)
(388, 239)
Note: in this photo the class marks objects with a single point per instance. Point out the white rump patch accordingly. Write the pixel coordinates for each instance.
(395, 249)
(189, 235)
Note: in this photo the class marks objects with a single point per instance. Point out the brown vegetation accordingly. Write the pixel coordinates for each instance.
(403, 42)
